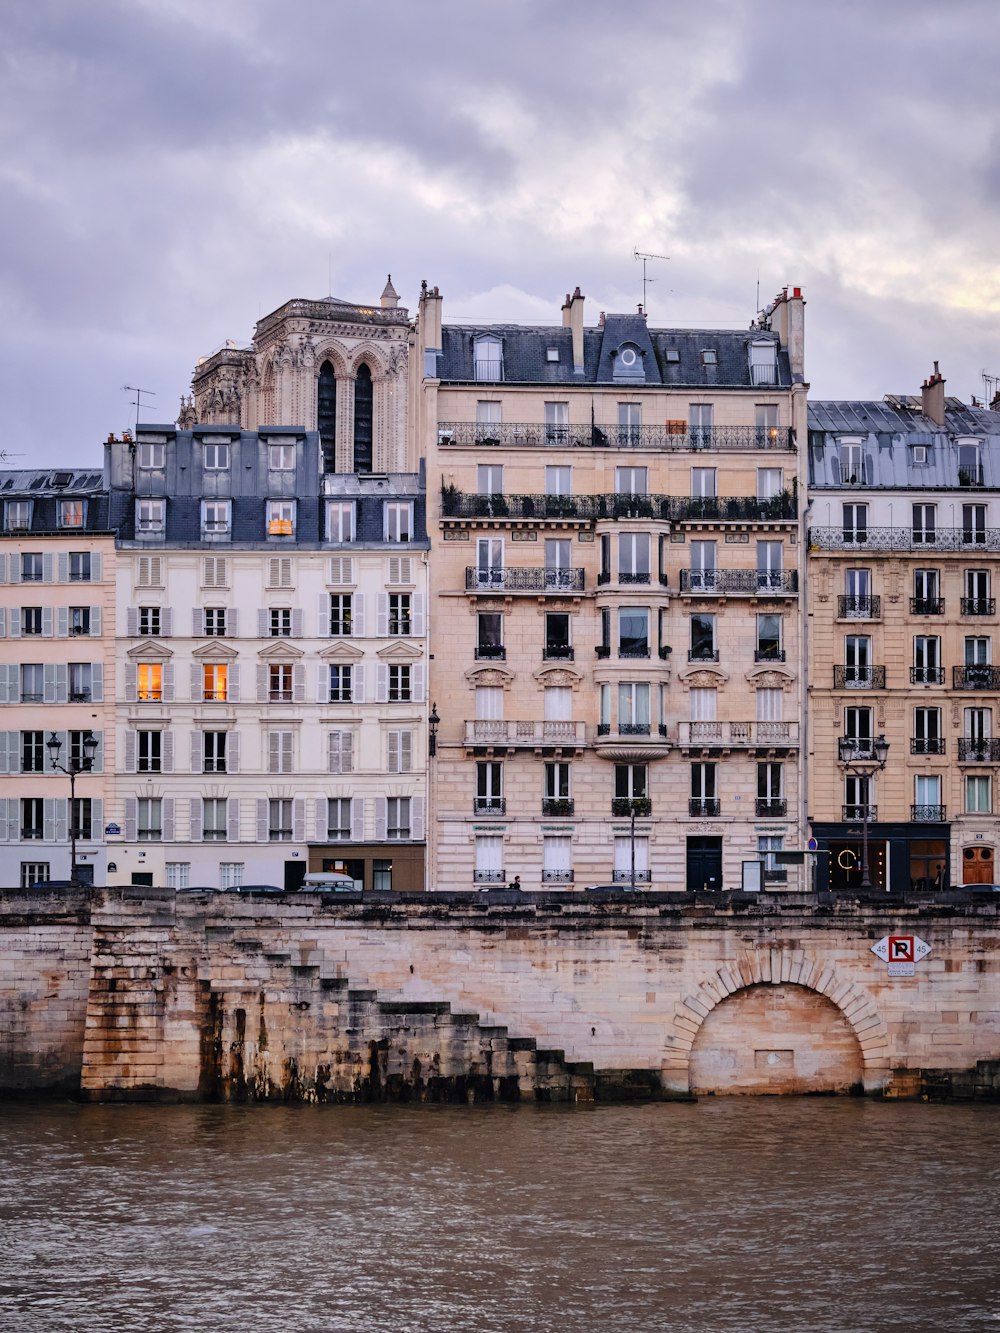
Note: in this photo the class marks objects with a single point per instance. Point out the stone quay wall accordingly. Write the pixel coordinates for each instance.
(142, 994)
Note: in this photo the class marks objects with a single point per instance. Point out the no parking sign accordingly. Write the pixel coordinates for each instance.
(901, 953)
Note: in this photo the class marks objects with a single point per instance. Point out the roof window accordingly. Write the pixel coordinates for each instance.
(552, 354)
(709, 356)
(672, 354)
(487, 355)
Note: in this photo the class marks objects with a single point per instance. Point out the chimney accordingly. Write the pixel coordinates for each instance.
(566, 307)
(429, 324)
(576, 325)
(932, 395)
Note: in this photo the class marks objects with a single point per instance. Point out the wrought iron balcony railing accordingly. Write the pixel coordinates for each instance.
(757, 582)
(926, 606)
(903, 539)
(535, 435)
(926, 675)
(738, 733)
(489, 805)
(625, 806)
(490, 652)
(979, 606)
(633, 728)
(515, 578)
(703, 654)
(560, 651)
(927, 814)
(977, 677)
(859, 608)
(557, 876)
(769, 654)
(859, 677)
(499, 731)
(772, 807)
(860, 812)
(978, 750)
(733, 508)
(489, 877)
(558, 806)
(641, 576)
(633, 650)
(927, 745)
(589, 508)
(626, 877)
(704, 806)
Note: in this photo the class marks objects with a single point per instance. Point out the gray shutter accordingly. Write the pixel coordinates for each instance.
(62, 628)
(358, 674)
(320, 827)
(131, 818)
(14, 569)
(3, 622)
(381, 818)
(47, 619)
(50, 819)
(6, 818)
(232, 752)
(99, 753)
(132, 621)
(417, 817)
(49, 684)
(394, 738)
(383, 615)
(197, 752)
(232, 623)
(262, 625)
(234, 682)
(299, 819)
(417, 614)
(62, 683)
(96, 567)
(97, 818)
(168, 818)
(323, 616)
(3, 569)
(273, 751)
(358, 819)
(48, 567)
(9, 750)
(97, 682)
(381, 683)
(131, 682)
(131, 743)
(166, 621)
(197, 829)
(298, 683)
(63, 567)
(418, 673)
(261, 684)
(233, 819)
(286, 752)
(358, 615)
(15, 622)
(10, 691)
(95, 620)
(262, 821)
(167, 751)
(322, 683)
(198, 622)
(405, 751)
(168, 682)
(197, 682)
(298, 622)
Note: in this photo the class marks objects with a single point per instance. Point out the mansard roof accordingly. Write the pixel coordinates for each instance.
(901, 414)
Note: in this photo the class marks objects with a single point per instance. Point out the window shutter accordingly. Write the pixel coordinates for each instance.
(96, 567)
(168, 818)
(286, 752)
(262, 675)
(197, 752)
(97, 682)
(167, 751)
(197, 827)
(233, 819)
(131, 742)
(15, 569)
(99, 753)
(168, 682)
(47, 568)
(358, 819)
(298, 683)
(341, 569)
(197, 682)
(417, 818)
(381, 818)
(323, 616)
(298, 622)
(232, 623)
(63, 567)
(262, 821)
(263, 622)
(418, 673)
(383, 615)
(8, 742)
(381, 682)
(49, 820)
(233, 683)
(3, 569)
(131, 818)
(8, 818)
(49, 684)
(320, 828)
(323, 683)
(166, 621)
(198, 621)
(47, 622)
(394, 737)
(95, 620)
(3, 622)
(399, 569)
(358, 674)
(62, 622)
(62, 820)
(273, 751)
(132, 621)
(131, 682)
(405, 751)
(15, 622)
(358, 616)
(233, 752)
(97, 819)
(299, 820)
(417, 614)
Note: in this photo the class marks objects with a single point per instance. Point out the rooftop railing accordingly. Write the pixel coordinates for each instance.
(663, 508)
(540, 435)
(764, 582)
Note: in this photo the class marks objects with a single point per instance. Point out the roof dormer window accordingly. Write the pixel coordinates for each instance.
(672, 355)
(628, 363)
(487, 355)
(709, 356)
(763, 361)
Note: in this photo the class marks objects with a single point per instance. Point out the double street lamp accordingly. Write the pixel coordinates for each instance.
(82, 762)
(864, 763)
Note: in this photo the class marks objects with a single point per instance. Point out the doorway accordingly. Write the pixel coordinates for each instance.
(977, 866)
(295, 872)
(704, 864)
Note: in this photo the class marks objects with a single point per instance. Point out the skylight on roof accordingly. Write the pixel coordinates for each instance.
(552, 354)
(672, 354)
(709, 357)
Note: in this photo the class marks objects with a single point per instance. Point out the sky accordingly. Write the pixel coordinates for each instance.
(172, 170)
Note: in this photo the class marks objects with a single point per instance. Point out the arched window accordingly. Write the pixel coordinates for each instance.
(363, 419)
(326, 414)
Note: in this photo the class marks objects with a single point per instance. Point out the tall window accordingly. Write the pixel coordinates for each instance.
(149, 827)
(340, 521)
(32, 567)
(338, 819)
(213, 810)
(633, 557)
(400, 683)
(281, 457)
(703, 647)
(363, 419)
(32, 817)
(71, 513)
(700, 421)
(489, 787)
(633, 709)
(398, 817)
(770, 794)
(340, 614)
(400, 621)
(769, 639)
(855, 522)
(279, 820)
(974, 524)
(704, 800)
(326, 414)
(80, 567)
(281, 518)
(557, 429)
(149, 515)
(32, 752)
(924, 523)
(216, 518)
(978, 796)
(149, 751)
(487, 356)
(341, 684)
(398, 521)
(633, 631)
(215, 676)
(214, 751)
(557, 635)
(215, 620)
(279, 683)
(489, 635)
(81, 682)
(852, 463)
(32, 682)
(280, 622)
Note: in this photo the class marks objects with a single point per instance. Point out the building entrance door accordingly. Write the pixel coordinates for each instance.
(704, 864)
(977, 866)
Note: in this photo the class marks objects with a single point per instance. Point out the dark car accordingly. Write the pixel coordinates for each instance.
(257, 888)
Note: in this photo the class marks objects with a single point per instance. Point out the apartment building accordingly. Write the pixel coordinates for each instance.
(57, 675)
(617, 657)
(904, 547)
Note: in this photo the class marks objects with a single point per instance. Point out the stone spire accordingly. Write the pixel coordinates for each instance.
(390, 297)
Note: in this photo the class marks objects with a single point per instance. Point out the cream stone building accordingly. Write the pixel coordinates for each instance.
(904, 554)
(616, 647)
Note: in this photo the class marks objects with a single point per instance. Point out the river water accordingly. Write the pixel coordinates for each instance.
(724, 1216)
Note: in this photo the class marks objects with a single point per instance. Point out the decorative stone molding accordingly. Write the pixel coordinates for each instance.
(558, 676)
(770, 678)
(282, 650)
(215, 652)
(399, 652)
(341, 652)
(150, 651)
(490, 676)
(702, 677)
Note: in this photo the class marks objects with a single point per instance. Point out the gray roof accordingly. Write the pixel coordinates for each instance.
(902, 414)
(49, 481)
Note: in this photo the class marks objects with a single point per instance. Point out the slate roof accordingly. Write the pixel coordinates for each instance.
(901, 414)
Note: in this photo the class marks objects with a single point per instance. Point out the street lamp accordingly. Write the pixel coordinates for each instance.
(865, 766)
(83, 763)
(433, 722)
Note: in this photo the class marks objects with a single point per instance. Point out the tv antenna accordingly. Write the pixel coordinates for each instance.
(646, 257)
(991, 386)
(130, 388)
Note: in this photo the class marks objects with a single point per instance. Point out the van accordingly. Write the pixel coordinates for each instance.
(328, 882)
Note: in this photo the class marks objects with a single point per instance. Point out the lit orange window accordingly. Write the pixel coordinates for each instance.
(215, 682)
(150, 681)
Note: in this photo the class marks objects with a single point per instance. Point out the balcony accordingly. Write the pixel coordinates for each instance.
(927, 675)
(703, 654)
(740, 734)
(859, 608)
(538, 435)
(926, 745)
(771, 807)
(904, 539)
(979, 606)
(927, 814)
(493, 731)
(862, 747)
(557, 877)
(864, 813)
(767, 655)
(623, 807)
(489, 805)
(626, 876)
(626, 579)
(978, 750)
(561, 652)
(633, 650)
(977, 677)
(704, 807)
(755, 582)
(733, 508)
(859, 677)
(489, 877)
(490, 652)
(633, 729)
(926, 606)
(558, 807)
(515, 579)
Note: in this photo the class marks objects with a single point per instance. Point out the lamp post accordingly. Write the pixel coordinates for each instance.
(433, 722)
(867, 768)
(77, 765)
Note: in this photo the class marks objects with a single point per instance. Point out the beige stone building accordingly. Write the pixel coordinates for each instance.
(616, 652)
(904, 552)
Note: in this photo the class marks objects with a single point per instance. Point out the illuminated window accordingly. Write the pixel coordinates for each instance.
(281, 518)
(215, 676)
(150, 681)
(71, 513)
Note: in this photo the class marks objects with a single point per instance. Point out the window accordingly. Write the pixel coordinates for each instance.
(927, 738)
(489, 635)
(338, 819)
(281, 457)
(400, 621)
(970, 467)
(978, 795)
(487, 356)
(78, 752)
(770, 563)
(631, 783)
(279, 683)
(557, 430)
(489, 702)
(398, 817)
(149, 825)
(214, 457)
(703, 800)
(31, 620)
(557, 703)
(769, 639)
(149, 515)
(703, 567)
(974, 524)
(487, 414)
(770, 482)
(977, 600)
(326, 414)
(857, 660)
(703, 483)
(709, 357)
(213, 818)
(32, 682)
(630, 431)
(558, 481)
(490, 571)
(926, 593)
(770, 705)
(214, 751)
(279, 752)
(216, 518)
(926, 660)
(215, 680)
(703, 647)
(700, 420)
(489, 859)
(280, 622)
(341, 684)
(557, 858)
(855, 522)
(400, 751)
(557, 785)
(340, 614)
(557, 635)
(230, 874)
(489, 787)
(178, 874)
(927, 797)
(364, 419)
(767, 845)
(149, 571)
(149, 621)
(279, 820)
(79, 620)
(633, 709)
(71, 513)
(633, 631)
(280, 518)
(215, 572)
(633, 557)
(339, 521)
(151, 455)
(32, 567)
(34, 872)
(149, 751)
(631, 858)
(398, 521)
(18, 515)
(215, 621)
(32, 752)
(770, 797)
(79, 567)
(341, 751)
(924, 523)
(81, 680)
(558, 553)
(852, 463)
(766, 422)
(400, 687)
(631, 481)
(978, 726)
(977, 651)
(32, 817)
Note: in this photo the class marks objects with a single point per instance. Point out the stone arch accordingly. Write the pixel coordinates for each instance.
(778, 967)
(338, 357)
(372, 355)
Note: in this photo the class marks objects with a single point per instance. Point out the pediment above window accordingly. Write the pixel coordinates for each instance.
(215, 652)
(281, 650)
(560, 676)
(150, 650)
(770, 678)
(341, 652)
(490, 676)
(399, 652)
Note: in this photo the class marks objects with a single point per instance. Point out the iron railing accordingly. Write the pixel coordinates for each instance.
(663, 508)
(926, 606)
(904, 539)
(534, 435)
(633, 650)
(703, 654)
(979, 606)
(926, 675)
(927, 814)
(626, 877)
(704, 806)
(624, 806)
(978, 750)
(977, 677)
(738, 733)
(499, 731)
(558, 806)
(560, 651)
(557, 876)
(771, 807)
(765, 582)
(489, 877)
(859, 677)
(633, 728)
(859, 608)
(864, 813)
(490, 652)
(927, 745)
(489, 805)
(513, 578)
(768, 654)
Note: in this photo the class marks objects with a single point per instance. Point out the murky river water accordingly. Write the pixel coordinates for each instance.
(719, 1217)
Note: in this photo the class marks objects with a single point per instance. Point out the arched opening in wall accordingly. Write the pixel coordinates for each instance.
(775, 1040)
(326, 414)
(363, 413)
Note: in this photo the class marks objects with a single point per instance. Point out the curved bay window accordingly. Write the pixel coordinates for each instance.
(363, 412)
(326, 414)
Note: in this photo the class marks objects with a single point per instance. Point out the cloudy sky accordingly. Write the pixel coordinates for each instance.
(173, 169)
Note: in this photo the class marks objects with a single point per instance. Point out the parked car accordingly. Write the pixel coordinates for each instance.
(329, 882)
(258, 888)
(201, 888)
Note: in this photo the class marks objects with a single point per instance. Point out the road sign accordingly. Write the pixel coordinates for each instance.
(812, 845)
(901, 953)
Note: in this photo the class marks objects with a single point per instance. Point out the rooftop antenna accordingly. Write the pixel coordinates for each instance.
(991, 386)
(645, 257)
(130, 388)
(6, 456)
